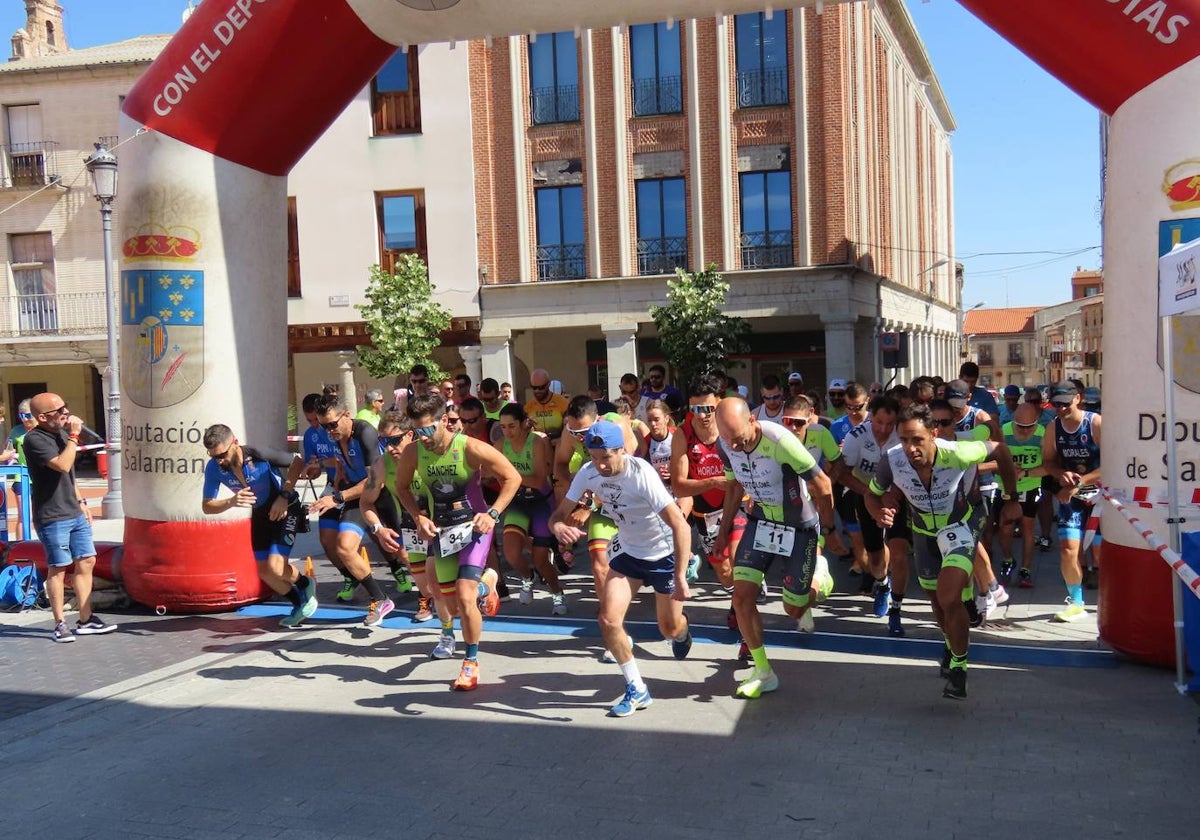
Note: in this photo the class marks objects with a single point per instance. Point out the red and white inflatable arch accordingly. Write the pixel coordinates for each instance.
(247, 86)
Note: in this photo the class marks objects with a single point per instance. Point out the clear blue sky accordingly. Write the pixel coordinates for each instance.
(1026, 152)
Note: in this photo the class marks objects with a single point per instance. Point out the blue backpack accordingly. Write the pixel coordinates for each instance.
(20, 585)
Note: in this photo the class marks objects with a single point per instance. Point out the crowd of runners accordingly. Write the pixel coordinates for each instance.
(456, 484)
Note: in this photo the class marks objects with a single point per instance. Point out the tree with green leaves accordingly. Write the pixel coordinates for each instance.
(404, 321)
(695, 334)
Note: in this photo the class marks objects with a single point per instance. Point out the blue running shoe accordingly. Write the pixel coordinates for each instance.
(882, 593)
(681, 649)
(693, 569)
(631, 702)
(895, 628)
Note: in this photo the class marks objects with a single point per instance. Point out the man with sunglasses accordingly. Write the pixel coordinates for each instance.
(1071, 454)
(355, 449)
(657, 387)
(1023, 435)
(631, 393)
(60, 515)
(373, 410)
(547, 408)
(793, 507)
(837, 399)
(253, 478)
(418, 383)
(771, 407)
(489, 395)
(16, 442)
(843, 497)
(459, 533)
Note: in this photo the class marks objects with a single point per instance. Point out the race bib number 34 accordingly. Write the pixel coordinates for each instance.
(455, 538)
(774, 538)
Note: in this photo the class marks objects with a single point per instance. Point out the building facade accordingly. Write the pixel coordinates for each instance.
(1003, 342)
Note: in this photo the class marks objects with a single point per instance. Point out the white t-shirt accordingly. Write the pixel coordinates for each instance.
(861, 453)
(632, 499)
(761, 414)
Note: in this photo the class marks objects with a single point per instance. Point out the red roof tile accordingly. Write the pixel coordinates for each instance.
(1017, 319)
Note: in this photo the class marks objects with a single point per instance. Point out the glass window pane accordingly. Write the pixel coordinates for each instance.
(747, 30)
(568, 69)
(649, 210)
(393, 76)
(572, 215)
(549, 231)
(779, 200)
(399, 222)
(774, 40)
(641, 50)
(754, 218)
(674, 208)
(668, 50)
(541, 62)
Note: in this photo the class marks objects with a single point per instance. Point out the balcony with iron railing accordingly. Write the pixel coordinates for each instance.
(660, 95)
(557, 104)
(767, 249)
(756, 88)
(561, 262)
(63, 314)
(661, 255)
(26, 166)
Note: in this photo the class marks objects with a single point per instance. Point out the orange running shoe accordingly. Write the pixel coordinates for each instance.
(489, 601)
(468, 677)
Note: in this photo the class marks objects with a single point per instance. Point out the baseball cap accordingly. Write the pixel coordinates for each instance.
(957, 392)
(605, 434)
(837, 384)
(795, 376)
(1013, 391)
(1062, 392)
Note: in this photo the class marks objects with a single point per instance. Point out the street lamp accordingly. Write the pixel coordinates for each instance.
(962, 316)
(102, 164)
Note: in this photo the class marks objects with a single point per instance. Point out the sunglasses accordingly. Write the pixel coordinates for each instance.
(333, 424)
(1057, 405)
(837, 393)
(1025, 425)
(580, 433)
(452, 421)
(795, 422)
(425, 431)
(466, 419)
(62, 409)
(223, 456)
(702, 409)
(945, 424)
(856, 406)
(772, 397)
(545, 387)
(392, 440)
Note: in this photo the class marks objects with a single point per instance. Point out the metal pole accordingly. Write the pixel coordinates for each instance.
(112, 506)
(1173, 495)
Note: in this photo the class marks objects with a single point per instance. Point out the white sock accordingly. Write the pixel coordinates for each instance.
(632, 675)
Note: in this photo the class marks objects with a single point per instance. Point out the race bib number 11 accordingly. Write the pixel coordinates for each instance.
(774, 538)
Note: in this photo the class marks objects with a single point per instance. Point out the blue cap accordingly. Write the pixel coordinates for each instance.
(605, 434)
(1063, 392)
(1012, 391)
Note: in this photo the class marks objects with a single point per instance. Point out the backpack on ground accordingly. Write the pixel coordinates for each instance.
(20, 586)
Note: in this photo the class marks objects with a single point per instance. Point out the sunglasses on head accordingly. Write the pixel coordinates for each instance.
(392, 440)
(333, 424)
(425, 431)
(795, 422)
(702, 409)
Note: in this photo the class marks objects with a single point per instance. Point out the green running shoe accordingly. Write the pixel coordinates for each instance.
(346, 594)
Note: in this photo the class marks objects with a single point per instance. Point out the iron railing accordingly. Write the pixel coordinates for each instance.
(767, 249)
(28, 165)
(756, 88)
(561, 262)
(74, 313)
(661, 95)
(661, 255)
(557, 104)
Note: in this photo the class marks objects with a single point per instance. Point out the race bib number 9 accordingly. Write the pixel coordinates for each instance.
(455, 538)
(956, 539)
(413, 543)
(774, 538)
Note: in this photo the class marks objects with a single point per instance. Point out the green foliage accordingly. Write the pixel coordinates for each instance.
(696, 336)
(403, 320)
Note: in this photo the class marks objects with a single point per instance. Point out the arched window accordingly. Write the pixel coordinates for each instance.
(50, 33)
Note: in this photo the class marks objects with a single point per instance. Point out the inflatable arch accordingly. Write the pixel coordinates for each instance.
(246, 86)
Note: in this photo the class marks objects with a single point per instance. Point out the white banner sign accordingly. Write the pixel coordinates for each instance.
(1179, 280)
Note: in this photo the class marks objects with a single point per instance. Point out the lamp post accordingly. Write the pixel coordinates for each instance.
(102, 165)
(962, 316)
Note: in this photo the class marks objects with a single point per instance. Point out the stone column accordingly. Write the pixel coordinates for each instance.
(839, 344)
(349, 390)
(496, 356)
(621, 341)
(472, 356)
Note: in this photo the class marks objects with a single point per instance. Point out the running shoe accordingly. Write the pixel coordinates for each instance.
(424, 610)
(944, 670)
(763, 594)
(895, 628)
(558, 604)
(1073, 612)
(489, 601)
(403, 582)
(445, 647)
(881, 591)
(1001, 595)
(378, 612)
(973, 614)
(295, 618)
(956, 684)
(62, 633)
(680, 649)
(989, 604)
(94, 626)
(693, 569)
(1006, 570)
(1025, 581)
(806, 623)
(731, 619)
(982, 606)
(346, 593)
(525, 598)
(1043, 543)
(631, 702)
(757, 684)
(468, 677)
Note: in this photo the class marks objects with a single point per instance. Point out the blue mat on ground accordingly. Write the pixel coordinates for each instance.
(647, 631)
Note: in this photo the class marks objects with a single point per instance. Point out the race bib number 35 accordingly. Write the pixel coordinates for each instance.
(774, 538)
(413, 543)
(455, 538)
(956, 539)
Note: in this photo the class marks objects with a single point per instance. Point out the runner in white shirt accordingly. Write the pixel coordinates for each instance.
(652, 546)
(771, 407)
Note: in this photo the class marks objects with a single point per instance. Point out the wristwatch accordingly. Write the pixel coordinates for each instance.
(1008, 497)
(375, 528)
(495, 514)
(826, 530)
(337, 496)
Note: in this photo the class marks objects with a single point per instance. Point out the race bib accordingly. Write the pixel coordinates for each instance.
(614, 547)
(455, 538)
(774, 538)
(413, 543)
(712, 521)
(956, 539)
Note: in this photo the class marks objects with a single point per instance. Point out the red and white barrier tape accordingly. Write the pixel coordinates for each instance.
(1141, 498)
(1189, 577)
